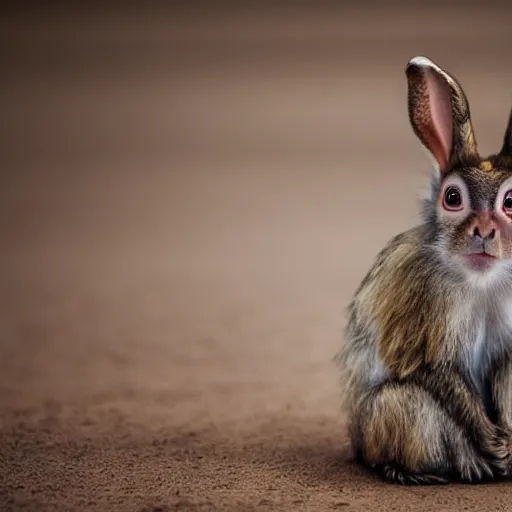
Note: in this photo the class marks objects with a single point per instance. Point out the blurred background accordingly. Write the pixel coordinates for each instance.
(190, 193)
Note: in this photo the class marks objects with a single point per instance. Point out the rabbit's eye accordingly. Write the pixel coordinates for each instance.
(507, 203)
(453, 199)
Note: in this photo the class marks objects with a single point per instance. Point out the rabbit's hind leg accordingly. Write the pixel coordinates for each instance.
(405, 436)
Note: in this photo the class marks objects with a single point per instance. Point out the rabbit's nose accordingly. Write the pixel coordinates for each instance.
(483, 227)
(490, 234)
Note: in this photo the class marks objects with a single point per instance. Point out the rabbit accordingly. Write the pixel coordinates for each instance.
(426, 358)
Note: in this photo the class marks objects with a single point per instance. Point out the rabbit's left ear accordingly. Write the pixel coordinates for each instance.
(506, 150)
(439, 113)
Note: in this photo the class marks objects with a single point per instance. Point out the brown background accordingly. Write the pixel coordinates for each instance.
(188, 198)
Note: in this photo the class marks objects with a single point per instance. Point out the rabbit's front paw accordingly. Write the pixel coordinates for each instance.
(501, 448)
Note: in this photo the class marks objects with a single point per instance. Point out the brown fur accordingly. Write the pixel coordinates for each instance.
(402, 310)
(502, 394)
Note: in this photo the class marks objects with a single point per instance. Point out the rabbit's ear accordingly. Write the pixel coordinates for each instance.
(439, 113)
(506, 150)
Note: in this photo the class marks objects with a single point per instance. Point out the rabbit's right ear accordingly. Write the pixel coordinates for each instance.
(439, 113)
(506, 149)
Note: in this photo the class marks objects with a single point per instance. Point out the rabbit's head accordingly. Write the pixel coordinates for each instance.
(470, 204)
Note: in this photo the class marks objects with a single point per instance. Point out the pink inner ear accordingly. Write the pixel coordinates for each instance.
(441, 114)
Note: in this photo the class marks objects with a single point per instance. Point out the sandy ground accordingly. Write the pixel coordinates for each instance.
(188, 199)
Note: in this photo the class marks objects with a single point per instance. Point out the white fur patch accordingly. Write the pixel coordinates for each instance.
(485, 321)
(422, 61)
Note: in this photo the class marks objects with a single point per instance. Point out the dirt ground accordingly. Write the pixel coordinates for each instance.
(189, 197)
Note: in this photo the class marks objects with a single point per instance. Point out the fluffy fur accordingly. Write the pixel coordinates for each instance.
(426, 362)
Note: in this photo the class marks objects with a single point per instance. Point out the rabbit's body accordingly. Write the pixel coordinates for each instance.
(427, 356)
(466, 328)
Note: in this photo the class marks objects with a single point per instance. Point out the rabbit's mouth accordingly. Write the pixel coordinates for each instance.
(480, 260)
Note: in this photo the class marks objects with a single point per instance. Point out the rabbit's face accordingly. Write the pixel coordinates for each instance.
(473, 214)
(470, 206)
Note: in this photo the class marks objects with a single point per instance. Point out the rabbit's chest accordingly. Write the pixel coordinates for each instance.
(488, 338)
